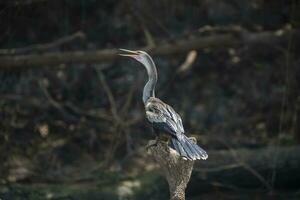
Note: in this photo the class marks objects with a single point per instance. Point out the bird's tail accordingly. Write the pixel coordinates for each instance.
(188, 149)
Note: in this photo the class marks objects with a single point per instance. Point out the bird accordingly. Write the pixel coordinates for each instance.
(160, 115)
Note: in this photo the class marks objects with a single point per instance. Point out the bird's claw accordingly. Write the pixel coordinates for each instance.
(152, 143)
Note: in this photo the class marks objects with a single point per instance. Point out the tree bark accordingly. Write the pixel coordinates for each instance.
(174, 168)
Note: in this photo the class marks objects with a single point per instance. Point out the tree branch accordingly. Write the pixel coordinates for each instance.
(44, 47)
(181, 45)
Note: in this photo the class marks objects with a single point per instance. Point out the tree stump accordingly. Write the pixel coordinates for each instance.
(174, 168)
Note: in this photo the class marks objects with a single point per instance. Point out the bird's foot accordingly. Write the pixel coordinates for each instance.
(152, 143)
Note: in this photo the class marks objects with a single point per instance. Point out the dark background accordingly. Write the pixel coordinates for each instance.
(77, 131)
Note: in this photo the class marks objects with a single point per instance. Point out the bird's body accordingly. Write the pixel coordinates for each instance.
(162, 116)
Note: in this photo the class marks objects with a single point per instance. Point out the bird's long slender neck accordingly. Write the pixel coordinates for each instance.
(149, 89)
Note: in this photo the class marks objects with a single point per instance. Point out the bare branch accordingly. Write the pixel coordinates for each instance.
(44, 47)
(179, 46)
(190, 59)
(111, 98)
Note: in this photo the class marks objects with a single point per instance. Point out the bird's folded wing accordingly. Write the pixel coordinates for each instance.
(168, 117)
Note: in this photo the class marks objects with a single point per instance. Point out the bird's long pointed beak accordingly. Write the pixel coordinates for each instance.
(129, 53)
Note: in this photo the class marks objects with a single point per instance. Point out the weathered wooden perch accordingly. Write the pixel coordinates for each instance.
(174, 168)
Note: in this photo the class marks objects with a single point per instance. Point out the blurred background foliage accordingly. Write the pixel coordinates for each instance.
(77, 131)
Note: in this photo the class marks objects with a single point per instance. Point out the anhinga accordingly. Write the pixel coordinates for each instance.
(161, 115)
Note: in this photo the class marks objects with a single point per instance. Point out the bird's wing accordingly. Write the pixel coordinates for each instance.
(166, 117)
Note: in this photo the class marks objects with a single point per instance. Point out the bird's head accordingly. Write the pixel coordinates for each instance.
(140, 56)
(146, 60)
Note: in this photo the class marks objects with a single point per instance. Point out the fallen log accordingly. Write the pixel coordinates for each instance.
(267, 168)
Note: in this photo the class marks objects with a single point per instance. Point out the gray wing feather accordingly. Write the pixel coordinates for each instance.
(176, 118)
(164, 113)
